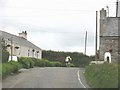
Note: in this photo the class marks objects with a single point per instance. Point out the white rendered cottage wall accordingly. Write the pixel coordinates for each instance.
(23, 51)
(30, 52)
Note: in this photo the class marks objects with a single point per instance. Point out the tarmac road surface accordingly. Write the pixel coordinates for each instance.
(47, 77)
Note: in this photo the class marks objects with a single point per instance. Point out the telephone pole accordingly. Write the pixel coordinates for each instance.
(85, 42)
(11, 47)
(96, 35)
(117, 8)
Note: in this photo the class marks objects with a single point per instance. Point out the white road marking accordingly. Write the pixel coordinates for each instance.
(80, 80)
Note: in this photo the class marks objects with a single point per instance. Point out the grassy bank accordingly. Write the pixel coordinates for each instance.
(102, 76)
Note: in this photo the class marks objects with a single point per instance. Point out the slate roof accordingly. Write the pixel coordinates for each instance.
(19, 40)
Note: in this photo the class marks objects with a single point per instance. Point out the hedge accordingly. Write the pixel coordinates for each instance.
(16, 65)
(35, 60)
(56, 64)
(31, 62)
(42, 63)
(10, 67)
(26, 62)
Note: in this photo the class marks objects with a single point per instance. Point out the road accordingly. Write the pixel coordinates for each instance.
(47, 77)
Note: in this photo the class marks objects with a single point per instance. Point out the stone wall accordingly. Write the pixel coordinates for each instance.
(110, 26)
(109, 43)
(109, 36)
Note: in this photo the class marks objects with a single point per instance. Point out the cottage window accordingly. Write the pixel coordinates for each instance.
(16, 47)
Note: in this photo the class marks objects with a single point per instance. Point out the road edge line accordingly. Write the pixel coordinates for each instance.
(80, 79)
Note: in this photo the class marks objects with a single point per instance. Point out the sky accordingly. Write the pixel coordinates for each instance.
(58, 25)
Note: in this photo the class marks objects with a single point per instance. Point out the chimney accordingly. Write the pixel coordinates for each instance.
(103, 15)
(23, 34)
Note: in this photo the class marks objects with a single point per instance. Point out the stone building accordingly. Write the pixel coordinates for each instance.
(21, 47)
(109, 36)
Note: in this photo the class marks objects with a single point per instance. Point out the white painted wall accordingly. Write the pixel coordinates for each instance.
(107, 54)
(23, 52)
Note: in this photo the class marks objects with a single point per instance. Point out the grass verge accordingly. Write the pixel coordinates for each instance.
(102, 76)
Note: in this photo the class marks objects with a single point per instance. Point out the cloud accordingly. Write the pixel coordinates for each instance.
(52, 38)
(54, 24)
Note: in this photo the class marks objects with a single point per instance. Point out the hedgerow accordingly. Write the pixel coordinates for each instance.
(26, 62)
(10, 67)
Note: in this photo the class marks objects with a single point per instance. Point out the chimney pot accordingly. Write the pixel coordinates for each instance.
(23, 34)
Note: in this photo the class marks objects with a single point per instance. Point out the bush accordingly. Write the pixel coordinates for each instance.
(71, 65)
(10, 67)
(35, 60)
(26, 62)
(51, 64)
(0, 69)
(31, 62)
(7, 69)
(46, 63)
(5, 56)
(42, 63)
(57, 64)
(16, 65)
(54, 64)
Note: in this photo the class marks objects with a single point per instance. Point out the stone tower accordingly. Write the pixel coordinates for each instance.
(109, 27)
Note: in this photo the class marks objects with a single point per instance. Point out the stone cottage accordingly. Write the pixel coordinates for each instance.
(21, 47)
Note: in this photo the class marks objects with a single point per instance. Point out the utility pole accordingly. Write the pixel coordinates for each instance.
(96, 35)
(117, 8)
(85, 42)
(11, 42)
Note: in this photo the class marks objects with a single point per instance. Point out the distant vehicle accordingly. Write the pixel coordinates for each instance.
(14, 58)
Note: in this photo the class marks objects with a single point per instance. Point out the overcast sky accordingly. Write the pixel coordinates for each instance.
(54, 24)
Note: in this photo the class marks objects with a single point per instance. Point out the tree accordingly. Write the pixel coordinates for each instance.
(5, 53)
